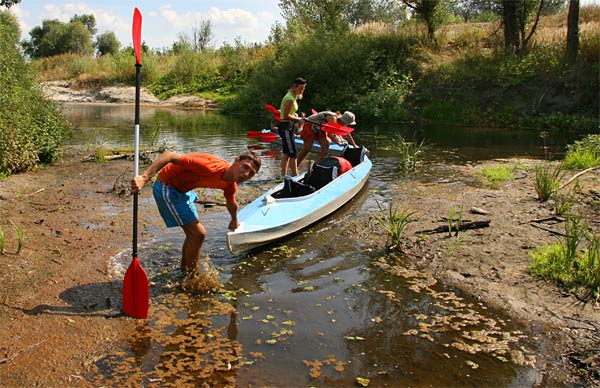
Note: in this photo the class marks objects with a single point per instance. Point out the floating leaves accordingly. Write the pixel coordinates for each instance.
(362, 382)
(476, 333)
(192, 351)
(316, 365)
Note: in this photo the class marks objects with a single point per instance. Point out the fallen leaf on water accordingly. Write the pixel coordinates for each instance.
(362, 381)
(353, 338)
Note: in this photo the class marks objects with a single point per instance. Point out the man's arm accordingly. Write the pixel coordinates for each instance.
(138, 182)
(232, 207)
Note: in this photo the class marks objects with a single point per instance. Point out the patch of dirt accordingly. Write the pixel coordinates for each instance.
(60, 308)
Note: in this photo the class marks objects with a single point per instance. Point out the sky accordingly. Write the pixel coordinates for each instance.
(162, 21)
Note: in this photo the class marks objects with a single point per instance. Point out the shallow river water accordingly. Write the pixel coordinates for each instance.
(316, 309)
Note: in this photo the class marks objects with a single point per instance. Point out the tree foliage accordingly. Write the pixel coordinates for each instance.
(55, 37)
(520, 18)
(390, 12)
(9, 3)
(202, 35)
(432, 12)
(315, 14)
(88, 20)
(107, 43)
(32, 129)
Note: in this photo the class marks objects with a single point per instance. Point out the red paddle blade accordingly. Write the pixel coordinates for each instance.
(337, 129)
(254, 133)
(269, 137)
(274, 111)
(137, 35)
(136, 291)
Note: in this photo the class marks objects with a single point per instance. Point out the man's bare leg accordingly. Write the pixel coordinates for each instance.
(194, 238)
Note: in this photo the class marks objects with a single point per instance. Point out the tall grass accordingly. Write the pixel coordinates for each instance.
(408, 151)
(20, 236)
(573, 261)
(395, 222)
(546, 180)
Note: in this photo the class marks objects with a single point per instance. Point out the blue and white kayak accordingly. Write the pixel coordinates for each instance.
(271, 217)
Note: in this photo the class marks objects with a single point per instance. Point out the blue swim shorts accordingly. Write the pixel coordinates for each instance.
(176, 208)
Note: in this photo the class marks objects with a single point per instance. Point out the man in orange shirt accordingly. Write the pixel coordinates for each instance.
(178, 176)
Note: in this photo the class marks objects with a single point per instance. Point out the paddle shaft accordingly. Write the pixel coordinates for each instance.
(136, 156)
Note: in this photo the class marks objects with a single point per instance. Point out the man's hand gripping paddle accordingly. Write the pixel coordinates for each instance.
(136, 289)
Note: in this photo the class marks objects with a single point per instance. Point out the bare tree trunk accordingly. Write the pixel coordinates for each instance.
(511, 27)
(572, 32)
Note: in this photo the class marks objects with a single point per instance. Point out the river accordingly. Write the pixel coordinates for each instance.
(315, 309)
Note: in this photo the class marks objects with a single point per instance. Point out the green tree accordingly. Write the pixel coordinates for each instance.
(55, 38)
(88, 20)
(77, 39)
(32, 129)
(390, 12)
(432, 12)
(520, 18)
(107, 43)
(316, 14)
(202, 35)
(9, 3)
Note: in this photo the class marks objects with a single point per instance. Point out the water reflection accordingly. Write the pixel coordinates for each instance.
(112, 125)
(316, 309)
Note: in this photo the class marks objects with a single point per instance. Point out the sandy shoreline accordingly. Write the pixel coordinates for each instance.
(64, 91)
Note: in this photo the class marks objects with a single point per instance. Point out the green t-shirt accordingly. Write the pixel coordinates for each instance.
(288, 97)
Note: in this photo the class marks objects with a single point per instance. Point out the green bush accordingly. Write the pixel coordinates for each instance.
(584, 153)
(573, 261)
(32, 129)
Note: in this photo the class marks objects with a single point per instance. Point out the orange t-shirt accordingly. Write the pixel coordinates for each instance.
(198, 170)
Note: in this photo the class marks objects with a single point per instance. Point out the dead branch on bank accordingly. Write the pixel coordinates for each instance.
(549, 230)
(580, 173)
(462, 227)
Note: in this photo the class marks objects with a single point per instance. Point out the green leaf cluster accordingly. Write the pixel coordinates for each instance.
(584, 153)
(32, 129)
(573, 261)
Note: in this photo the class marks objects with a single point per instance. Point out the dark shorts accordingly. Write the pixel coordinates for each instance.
(287, 139)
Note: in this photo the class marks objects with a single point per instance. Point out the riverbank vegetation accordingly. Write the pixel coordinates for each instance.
(32, 128)
(443, 65)
(384, 70)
